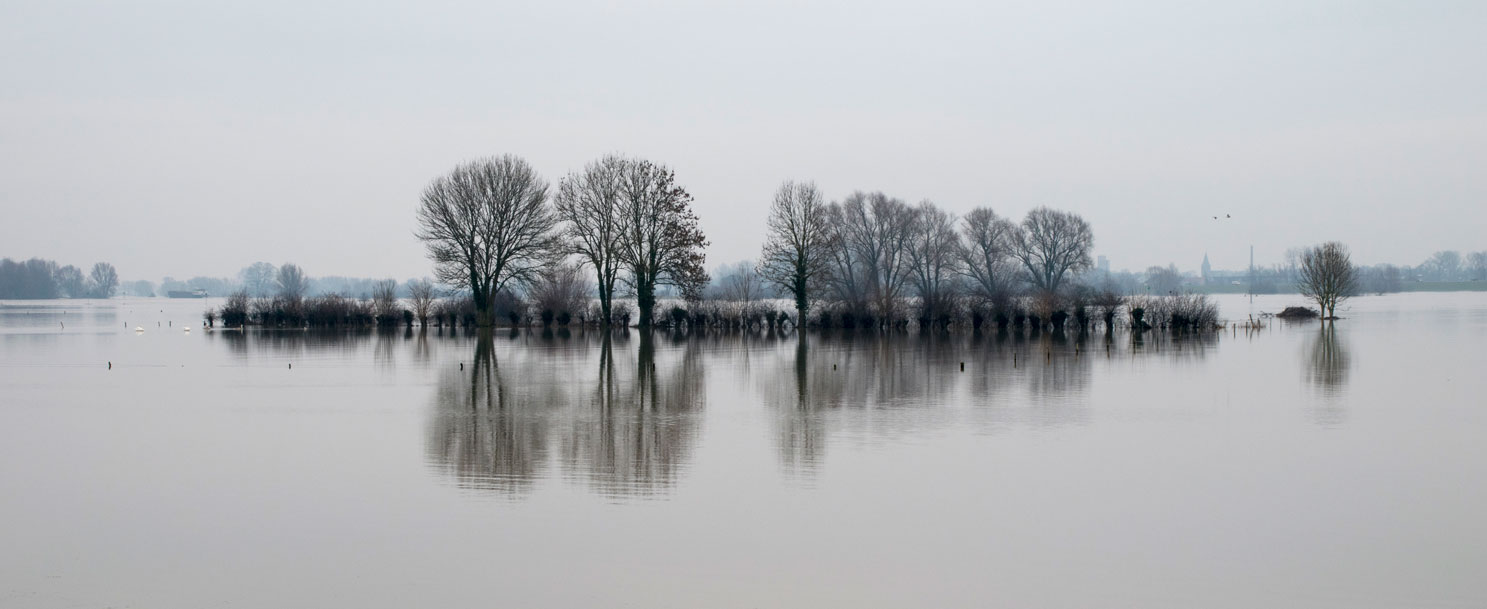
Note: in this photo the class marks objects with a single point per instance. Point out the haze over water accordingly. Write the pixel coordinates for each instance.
(1288, 467)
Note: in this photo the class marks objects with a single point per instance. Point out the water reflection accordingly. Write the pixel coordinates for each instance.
(622, 426)
(1329, 365)
(636, 434)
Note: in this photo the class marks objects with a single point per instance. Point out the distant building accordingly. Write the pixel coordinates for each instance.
(1103, 264)
(1207, 270)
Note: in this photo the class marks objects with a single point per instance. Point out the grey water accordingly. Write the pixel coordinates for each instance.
(1290, 466)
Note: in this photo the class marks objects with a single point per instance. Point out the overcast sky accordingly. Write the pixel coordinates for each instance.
(193, 138)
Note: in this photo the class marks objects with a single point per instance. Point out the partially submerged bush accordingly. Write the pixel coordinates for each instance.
(1298, 313)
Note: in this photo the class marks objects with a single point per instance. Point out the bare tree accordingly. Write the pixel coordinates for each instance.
(934, 256)
(871, 262)
(589, 203)
(1326, 275)
(661, 242)
(103, 281)
(740, 283)
(1163, 280)
(1477, 262)
(1050, 245)
(797, 248)
(1444, 265)
(70, 281)
(421, 296)
(292, 282)
(385, 302)
(986, 252)
(561, 293)
(486, 224)
(257, 278)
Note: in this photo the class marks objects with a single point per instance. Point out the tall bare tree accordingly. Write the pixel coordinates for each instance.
(589, 203)
(1444, 265)
(797, 247)
(1477, 262)
(70, 281)
(385, 302)
(1327, 276)
(740, 283)
(257, 278)
(934, 258)
(661, 242)
(292, 282)
(986, 253)
(871, 261)
(421, 296)
(103, 281)
(487, 224)
(1050, 245)
(1163, 279)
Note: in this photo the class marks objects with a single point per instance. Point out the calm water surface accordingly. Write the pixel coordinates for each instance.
(1288, 467)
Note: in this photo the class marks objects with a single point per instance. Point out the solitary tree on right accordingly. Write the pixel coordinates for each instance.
(1326, 275)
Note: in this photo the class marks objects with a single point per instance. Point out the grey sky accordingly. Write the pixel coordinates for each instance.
(191, 138)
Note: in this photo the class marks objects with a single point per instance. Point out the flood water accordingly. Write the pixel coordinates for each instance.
(1289, 467)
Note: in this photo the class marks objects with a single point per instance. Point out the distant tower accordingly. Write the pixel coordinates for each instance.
(1206, 268)
(1103, 264)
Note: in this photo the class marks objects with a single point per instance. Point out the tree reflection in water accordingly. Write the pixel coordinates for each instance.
(876, 387)
(628, 433)
(620, 415)
(1328, 371)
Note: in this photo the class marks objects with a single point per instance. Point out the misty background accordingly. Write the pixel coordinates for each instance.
(180, 139)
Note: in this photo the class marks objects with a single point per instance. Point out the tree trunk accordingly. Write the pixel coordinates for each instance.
(605, 299)
(482, 299)
(802, 302)
(645, 297)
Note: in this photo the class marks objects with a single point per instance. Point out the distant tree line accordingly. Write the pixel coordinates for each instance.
(41, 279)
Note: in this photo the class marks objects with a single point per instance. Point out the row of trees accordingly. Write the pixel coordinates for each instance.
(40, 279)
(1449, 265)
(494, 224)
(872, 252)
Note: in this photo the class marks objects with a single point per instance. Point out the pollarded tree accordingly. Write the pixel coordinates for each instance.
(987, 242)
(487, 224)
(934, 259)
(1327, 276)
(1052, 244)
(661, 243)
(103, 281)
(589, 204)
(797, 248)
